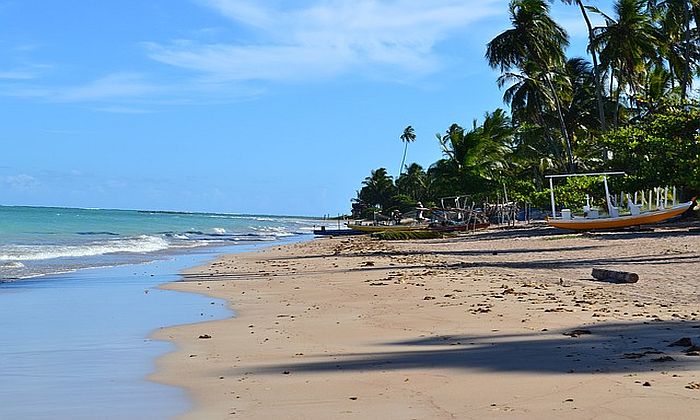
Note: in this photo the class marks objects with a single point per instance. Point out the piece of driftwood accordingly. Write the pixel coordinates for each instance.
(614, 276)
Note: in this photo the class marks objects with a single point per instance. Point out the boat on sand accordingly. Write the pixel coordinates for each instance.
(653, 216)
(592, 221)
(433, 227)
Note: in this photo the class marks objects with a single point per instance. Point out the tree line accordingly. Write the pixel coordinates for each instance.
(629, 106)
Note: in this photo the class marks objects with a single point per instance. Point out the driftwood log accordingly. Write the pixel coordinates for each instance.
(614, 276)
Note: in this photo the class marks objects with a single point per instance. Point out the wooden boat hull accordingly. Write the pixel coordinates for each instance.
(622, 221)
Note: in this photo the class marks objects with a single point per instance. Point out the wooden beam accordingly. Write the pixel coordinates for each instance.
(614, 276)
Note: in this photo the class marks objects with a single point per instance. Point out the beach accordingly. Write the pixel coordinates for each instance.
(501, 323)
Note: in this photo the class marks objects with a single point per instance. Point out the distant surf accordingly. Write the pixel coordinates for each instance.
(35, 241)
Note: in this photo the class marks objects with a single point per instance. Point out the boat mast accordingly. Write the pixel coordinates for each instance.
(551, 192)
(605, 180)
(607, 197)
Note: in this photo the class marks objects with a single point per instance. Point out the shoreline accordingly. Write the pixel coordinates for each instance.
(500, 322)
(77, 343)
(81, 341)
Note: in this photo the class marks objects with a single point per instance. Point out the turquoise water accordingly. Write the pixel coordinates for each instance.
(36, 241)
(76, 345)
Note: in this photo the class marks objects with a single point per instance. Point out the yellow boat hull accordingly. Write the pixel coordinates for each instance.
(622, 221)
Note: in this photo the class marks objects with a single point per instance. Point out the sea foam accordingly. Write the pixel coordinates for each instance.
(138, 244)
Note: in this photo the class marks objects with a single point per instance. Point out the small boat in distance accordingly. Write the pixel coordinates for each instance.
(433, 227)
(322, 231)
(439, 219)
(592, 221)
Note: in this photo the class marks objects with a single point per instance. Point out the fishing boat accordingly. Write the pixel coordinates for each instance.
(432, 227)
(386, 228)
(614, 220)
(439, 219)
(322, 231)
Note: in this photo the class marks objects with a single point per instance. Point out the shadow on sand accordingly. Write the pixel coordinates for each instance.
(610, 347)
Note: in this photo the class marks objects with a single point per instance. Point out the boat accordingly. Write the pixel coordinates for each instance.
(385, 228)
(431, 227)
(335, 232)
(592, 221)
(654, 216)
(439, 220)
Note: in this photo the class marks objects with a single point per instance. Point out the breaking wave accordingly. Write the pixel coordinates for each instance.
(139, 244)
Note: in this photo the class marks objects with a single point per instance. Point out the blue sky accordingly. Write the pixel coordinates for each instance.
(268, 106)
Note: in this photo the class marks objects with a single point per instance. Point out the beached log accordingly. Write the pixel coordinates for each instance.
(614, 276)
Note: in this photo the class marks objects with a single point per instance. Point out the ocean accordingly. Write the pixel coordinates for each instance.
(38, 241)
(79, 298)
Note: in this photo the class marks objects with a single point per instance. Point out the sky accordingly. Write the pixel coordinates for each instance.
(236, 106)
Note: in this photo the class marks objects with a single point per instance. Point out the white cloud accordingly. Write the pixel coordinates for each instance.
(23, 73)
(244, 11)
(328, 38)
(110, 87)
(17, 74)
(20, 182)
(123, 110)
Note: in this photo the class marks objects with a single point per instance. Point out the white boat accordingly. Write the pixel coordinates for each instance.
(593, 221)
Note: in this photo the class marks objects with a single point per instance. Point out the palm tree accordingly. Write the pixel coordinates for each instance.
(531, 105)
(580, 108)
(478, 156)
(628, 43)
(594, 56)
(408, 136)
(453, 145)
(682, 49)
(535, 41)
(657, 88)
(413, 182)
(378, 189)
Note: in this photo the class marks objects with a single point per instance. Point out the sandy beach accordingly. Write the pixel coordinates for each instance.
(486, 325)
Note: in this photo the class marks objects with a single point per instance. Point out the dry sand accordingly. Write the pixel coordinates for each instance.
(488, 325)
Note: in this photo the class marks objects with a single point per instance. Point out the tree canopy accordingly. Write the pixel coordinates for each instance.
(634, 107)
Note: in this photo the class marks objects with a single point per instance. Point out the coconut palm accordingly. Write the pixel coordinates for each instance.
(413, 182)
(408, 136)
(657, 89)
(478, 156)
(532, 107)
(681, 46)
(580, 107)
(378, 189)
(535, 42)
(628, 44)
(594, 56)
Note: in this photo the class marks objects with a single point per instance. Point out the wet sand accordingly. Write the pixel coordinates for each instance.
(494, 324)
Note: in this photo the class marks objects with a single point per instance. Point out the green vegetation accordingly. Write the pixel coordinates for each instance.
(634, 110)
(409, 235)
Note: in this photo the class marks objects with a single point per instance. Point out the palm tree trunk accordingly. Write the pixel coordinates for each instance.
(596, 70)
(403, 160)
(562, 123)
(617, 97)
(618, 93)
(686, 46)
